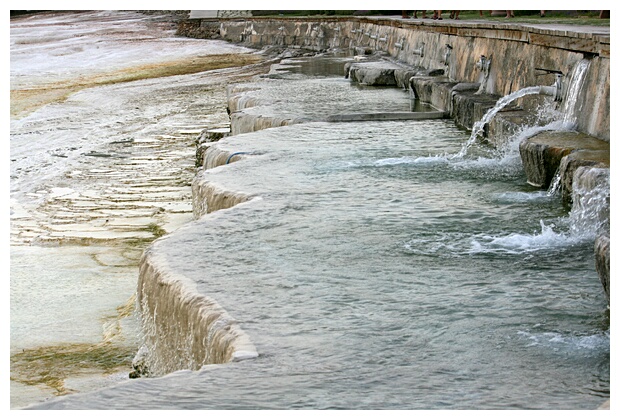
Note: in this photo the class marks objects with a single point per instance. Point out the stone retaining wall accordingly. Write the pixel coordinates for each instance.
(515, 51)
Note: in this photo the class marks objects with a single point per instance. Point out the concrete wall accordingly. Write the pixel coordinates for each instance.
(515, 52)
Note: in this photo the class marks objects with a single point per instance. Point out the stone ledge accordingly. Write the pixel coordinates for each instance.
(578, 159)
(386, 116)
(543, 153)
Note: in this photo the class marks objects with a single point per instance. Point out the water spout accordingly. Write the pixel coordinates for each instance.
(446, 56)
(484, 64)
(501, 104)
(419, 51)
(400, 44)
(555, 90)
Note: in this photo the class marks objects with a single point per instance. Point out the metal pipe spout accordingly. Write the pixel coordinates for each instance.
(555, 90)
(446, 55)
(419, 51)
(484, 64)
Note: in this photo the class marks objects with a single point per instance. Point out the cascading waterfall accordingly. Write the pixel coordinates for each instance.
(181, 328)
(587, 219)
(555, 185)
(568, 118)
(574, 90)
(590, 212)
(589, 215)
(501, 104)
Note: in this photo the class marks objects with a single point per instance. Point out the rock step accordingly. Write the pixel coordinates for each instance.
(546, 153)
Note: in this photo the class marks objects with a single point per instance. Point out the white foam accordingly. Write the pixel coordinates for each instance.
(516, 243)
(394, 161)
(411, 160)
(522, 197)
(566, 342)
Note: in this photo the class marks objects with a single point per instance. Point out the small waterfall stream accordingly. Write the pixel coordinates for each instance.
(488, 116)
(590, 214)
(568, 112)
(574, 90)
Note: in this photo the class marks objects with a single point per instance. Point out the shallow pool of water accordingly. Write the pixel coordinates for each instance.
(377, 271)
(300, 88)
(374, 270)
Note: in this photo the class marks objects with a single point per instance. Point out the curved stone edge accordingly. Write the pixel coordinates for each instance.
(241, 122)
(240, 98)
(208, 197)
(181, 328)
(541, 161)
(206, 139)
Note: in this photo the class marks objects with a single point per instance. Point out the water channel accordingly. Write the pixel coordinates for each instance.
(374, 268)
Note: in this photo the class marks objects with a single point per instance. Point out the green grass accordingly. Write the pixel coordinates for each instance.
(564, 17)
(572, 17)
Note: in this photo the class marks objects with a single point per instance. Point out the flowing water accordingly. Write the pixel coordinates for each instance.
(568, 111)
(574, 90)
(372, 270)
(376, 273)
(488, 116)
(281, 96)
